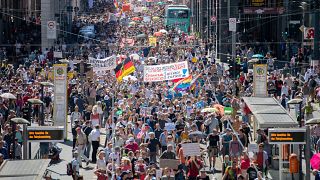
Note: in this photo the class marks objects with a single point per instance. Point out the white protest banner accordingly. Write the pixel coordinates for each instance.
(170, 126)
(158, 174)
(253, 148)
(57, 54)
(165, 72)
(145, 111)
(102, 65)
(191, 149)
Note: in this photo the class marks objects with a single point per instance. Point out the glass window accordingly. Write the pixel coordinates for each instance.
(178, 14)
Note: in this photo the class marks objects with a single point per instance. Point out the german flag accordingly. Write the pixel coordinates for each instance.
(124, 69)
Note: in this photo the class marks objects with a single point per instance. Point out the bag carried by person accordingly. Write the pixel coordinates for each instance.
(69, 169)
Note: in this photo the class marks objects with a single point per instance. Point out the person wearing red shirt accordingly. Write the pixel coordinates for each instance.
(242, 77)
(132, 146)
(26, 97)
(194, 165)
(244, 163)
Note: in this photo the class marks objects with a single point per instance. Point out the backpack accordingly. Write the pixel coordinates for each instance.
(69, 169)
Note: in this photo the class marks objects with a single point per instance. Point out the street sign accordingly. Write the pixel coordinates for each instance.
(51, 30)
(301, 28)
(213, 19)
(233, 24)
(287, 136)
(309, 33)
(45, 134)
(260, 80)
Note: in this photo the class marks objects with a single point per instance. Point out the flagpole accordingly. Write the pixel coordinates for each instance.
(113, 133)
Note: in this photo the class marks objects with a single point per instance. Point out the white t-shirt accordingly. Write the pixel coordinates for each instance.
(95, 134)
(101, 164)
(74, 116)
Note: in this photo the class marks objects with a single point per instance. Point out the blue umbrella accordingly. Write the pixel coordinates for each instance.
(258, 56)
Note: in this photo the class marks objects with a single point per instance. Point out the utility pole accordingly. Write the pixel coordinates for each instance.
(307, 152)
(233, 31)
(219, 18)
(216, 29)
(316, 52)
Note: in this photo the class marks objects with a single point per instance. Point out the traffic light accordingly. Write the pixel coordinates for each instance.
(285, 34)
(87, 67)
(83, 67)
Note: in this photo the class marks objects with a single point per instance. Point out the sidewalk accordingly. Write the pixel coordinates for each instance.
(59, 170)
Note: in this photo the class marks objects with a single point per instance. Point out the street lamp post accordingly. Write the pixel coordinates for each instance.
(303, 6)
(308, 144)
(299, 119)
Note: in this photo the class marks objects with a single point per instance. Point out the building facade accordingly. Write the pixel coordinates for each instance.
(267, 26)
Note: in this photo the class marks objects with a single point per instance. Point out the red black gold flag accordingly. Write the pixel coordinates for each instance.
(124, 69)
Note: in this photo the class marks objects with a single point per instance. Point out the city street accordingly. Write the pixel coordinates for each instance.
(154, 89)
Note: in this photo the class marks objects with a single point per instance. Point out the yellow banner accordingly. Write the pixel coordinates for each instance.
(152, 41)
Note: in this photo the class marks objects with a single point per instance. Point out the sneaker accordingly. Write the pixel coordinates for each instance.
(87, 163)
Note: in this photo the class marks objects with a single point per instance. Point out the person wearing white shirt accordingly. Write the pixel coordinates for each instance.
(75, 115)
(118, 140)
(101, 164)
(115, 156)
(95, 141)
(75, 165)
(285, 89)
(108, 151)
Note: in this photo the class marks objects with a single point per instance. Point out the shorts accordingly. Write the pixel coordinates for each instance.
(213, 151)
(231, 154)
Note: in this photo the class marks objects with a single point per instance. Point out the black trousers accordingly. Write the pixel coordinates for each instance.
(95, 146)
(74, 143)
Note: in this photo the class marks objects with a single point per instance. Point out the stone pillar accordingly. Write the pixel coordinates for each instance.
(47, 14)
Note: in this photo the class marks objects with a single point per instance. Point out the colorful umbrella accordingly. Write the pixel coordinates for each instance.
(313, 121)
(158, 34)
(136, 19)
(163, 31)
(258, 56)
(254, 60)
(8, 96)
(208, 110)
(220, 109)
(141, 36)
(228, 110)
(132, 23)
(315, 161)
(191, 37)
(155, 18)
(119, 112)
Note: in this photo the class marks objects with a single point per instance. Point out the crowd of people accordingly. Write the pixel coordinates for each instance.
(133, 114)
